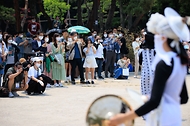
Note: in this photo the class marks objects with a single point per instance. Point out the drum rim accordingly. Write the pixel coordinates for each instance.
(113, 95)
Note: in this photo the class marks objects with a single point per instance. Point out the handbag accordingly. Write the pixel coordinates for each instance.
(57, 58)
(51, 58)
(125, 72)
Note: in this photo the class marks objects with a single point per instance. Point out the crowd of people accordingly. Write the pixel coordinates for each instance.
(35, 60)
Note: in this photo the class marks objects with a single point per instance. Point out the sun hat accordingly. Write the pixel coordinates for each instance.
(177, 24)
(36, 59)
(172, 25)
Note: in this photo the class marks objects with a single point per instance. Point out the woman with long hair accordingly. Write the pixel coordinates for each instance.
(58, 67)
(90, 61)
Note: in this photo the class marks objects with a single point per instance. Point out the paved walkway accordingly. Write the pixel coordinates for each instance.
(68, 106)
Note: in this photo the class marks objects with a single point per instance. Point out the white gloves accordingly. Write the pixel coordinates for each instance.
(41, 83)
(14, 43)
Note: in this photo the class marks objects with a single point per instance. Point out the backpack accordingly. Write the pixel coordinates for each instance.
(4, 92)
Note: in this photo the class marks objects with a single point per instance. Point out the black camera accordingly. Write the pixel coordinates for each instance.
(25, 66)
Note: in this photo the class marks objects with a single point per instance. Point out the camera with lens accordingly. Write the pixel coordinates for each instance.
(25, 66)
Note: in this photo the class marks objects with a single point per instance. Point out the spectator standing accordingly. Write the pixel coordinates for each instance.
(75, 56)
(3, 54)
(19, 40)
(33, 27)
(136, 46)
(58, 68)
(47, 63)
(57, 23)
(93, 36)
(124, 50)
(109, 44)
(99, 56)
(90, 62)
(13, 50)
(39, 45)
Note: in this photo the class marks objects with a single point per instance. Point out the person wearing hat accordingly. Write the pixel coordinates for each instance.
(36, 82)
(168, 86)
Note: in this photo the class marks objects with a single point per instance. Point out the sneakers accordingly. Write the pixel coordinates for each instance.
(56, 85)
(92, 82)
(82, 82)
(100, 77)
(48, 85)
(87, 82)
(73, 82)
(135, 76)
(11, 95)
(61, 85)
(15, 94)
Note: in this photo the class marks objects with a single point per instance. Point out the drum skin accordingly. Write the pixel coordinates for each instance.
(104, 107)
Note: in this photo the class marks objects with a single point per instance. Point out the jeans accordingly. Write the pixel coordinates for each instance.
(99, 62)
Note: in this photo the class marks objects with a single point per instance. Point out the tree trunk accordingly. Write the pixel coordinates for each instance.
(101, 17)
(129, 25)
(41, 7)
(33, 9)
(111, 14)
(79, 10)
(121, 14)
(137, 20)
(25, 14)
(17, 15)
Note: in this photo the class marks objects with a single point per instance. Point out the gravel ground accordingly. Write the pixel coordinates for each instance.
(68, 106)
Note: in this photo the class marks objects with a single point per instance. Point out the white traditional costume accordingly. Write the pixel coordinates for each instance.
(169, 89)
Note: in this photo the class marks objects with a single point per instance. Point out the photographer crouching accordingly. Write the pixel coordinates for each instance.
(37, 81)
(16, 79)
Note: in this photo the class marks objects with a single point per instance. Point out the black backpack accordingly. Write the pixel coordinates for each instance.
(4, 92)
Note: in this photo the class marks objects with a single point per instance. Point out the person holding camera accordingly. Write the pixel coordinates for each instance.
(90, 61)
(16, 79)
(3, 54)
(75, 57)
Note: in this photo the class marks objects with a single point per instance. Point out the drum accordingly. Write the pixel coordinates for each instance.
(104, 107)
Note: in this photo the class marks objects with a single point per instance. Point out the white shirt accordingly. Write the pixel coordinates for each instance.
(135, 45)
(33, 73)
(99, 51)
(39, 43)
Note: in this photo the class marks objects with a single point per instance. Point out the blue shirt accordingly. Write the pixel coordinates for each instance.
(92, 38)
(77, 52)
(18, 41)
(109, 44)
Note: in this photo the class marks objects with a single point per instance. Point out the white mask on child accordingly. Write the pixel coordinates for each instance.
(38, 65)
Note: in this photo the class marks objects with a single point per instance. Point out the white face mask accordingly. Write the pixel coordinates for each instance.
(58, 38)
(1, 36)
(120, 35)
(33, 20)
(21, 36)
(105, 35)
(37, 65)
(40, 37)
(186, 47)
(10, 41)
(69, 39)
(75, 38)
(94, 34)
(137, 39)
(47, 39)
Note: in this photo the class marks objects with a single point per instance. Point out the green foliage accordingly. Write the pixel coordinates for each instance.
(7, 14)
(56, 8)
